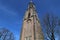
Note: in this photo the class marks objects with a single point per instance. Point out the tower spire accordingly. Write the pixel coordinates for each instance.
(31, 4)
(31, 29)
(30, 0)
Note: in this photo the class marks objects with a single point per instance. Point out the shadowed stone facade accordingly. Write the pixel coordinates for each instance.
(31, 29)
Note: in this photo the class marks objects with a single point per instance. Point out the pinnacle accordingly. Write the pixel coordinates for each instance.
(30, 0)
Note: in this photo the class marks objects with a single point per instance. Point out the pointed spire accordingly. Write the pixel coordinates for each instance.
(31, 4)
(30, 0)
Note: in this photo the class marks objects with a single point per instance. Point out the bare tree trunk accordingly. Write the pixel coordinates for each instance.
(52, 37)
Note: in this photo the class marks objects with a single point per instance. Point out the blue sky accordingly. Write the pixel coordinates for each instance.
(12, 12)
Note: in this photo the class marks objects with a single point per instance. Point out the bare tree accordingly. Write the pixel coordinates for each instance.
(58, 30)
(50, 22)
(6, 34)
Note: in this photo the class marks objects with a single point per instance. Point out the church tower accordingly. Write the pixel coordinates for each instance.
(31, 29)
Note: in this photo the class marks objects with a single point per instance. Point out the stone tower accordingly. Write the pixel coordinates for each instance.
(31, 29)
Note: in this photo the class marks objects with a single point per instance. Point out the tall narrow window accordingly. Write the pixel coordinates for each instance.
(29, 15)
